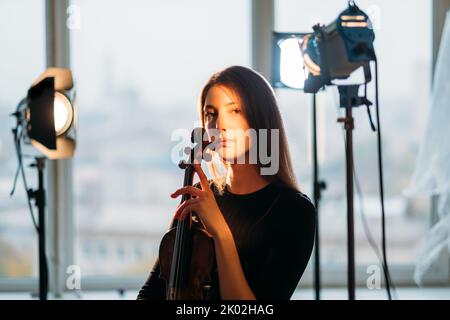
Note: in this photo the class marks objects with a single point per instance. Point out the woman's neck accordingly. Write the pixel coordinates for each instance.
(244, 178)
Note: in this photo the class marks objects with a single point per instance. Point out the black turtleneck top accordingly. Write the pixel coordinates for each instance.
(273, 229)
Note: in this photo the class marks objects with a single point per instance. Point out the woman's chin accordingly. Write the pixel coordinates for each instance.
(231, 157)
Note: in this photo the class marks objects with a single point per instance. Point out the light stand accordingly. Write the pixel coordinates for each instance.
(318, 186)
(39, 197)
(46, 119)
(334, 52)
(348, 97)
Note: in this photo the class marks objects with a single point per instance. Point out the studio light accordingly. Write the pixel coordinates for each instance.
(48, 114)
(330, 56)
(336, 50)
(46, 119)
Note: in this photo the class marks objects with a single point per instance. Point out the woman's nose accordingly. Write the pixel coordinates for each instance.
(221, 123)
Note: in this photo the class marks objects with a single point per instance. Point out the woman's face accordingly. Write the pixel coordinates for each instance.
(224, 117)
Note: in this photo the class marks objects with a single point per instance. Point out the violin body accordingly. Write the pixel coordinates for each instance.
(201, 261)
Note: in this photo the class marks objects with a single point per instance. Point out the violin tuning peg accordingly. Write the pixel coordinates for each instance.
(182, 164)
(207, 144)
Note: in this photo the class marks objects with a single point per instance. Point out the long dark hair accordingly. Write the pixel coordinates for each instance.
(260, 108)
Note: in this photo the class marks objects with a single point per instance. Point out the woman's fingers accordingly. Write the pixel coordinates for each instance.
(184, 213)
(182, 206)
(203, 179)
(186, 210)
(189, 189)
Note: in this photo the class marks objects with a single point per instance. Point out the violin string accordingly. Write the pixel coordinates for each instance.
(181, 228)
(177, 252)
(180, 255)
(184, 228)
(174, 270)
(175, 280)
(179, 247)
(180, 252)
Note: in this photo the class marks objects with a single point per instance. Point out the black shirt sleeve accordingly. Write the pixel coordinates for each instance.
(289, 249)
(154, 288)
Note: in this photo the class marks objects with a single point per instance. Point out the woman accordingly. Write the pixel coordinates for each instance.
(262, 225)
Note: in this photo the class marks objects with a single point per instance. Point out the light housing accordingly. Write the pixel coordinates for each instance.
(50, 114)
(336, 50)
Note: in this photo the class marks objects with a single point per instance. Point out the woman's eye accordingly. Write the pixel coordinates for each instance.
(236, 110)
(209, 114)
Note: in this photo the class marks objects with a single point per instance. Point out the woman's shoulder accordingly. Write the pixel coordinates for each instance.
(296, 204)
(293, 218)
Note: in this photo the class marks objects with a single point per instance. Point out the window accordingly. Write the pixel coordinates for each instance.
(403, 47)
(133, 94)
(140, 69)
(22, 28)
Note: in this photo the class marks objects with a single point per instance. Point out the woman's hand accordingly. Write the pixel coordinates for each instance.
(203, 203)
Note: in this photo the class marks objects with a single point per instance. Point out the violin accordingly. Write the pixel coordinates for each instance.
(186, 253)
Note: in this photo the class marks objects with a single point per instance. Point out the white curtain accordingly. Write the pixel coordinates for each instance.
(432, 171)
